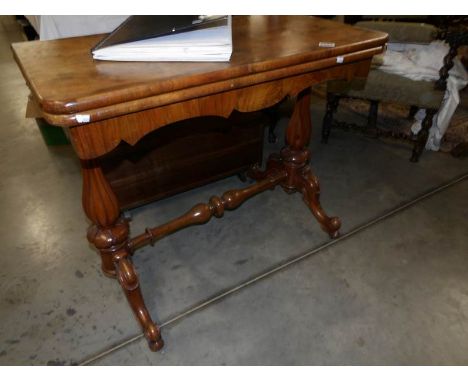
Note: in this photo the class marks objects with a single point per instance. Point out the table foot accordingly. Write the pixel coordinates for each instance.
(309, 186)
(300, 178)
(129, 281)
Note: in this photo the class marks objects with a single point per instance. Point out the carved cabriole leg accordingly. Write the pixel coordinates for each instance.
(332, 104)
(420, 139)
(310, 188)
(294, 158)
(109, 234)
(128, 279)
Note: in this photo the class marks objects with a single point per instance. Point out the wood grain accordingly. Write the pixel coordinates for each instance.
(95, 139)
(65, 79)
(274, 57)
(184, 155)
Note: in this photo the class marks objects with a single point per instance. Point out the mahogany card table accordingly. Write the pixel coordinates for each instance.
(103, 103)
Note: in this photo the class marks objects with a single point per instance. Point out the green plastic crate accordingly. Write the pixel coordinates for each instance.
(52, 135)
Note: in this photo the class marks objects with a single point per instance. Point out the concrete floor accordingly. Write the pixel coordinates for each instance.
(394, 293)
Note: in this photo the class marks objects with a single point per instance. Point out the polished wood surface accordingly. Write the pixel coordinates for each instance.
(202, 213)
(274, 57)
(109, 234)
(184, 155)
(64, 78)
(294, 159)
(95, 139)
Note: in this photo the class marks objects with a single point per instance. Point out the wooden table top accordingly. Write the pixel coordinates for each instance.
(64, 79)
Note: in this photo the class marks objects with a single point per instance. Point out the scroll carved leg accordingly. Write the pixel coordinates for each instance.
(294, 159)
(128, 279)
(309, 186)
(109, 234)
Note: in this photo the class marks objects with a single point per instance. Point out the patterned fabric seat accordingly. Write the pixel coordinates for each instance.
(387, 87)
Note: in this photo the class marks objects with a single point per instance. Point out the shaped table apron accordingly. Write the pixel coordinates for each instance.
(91, 140)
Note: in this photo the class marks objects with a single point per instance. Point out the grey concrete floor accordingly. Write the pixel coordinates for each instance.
(395, 293)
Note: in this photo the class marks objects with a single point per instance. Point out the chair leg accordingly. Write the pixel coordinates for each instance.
(332, 104)
(412, 112)
(273, 115)
(371, 128)
(420, 139)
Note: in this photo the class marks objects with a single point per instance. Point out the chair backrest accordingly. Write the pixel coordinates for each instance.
(421, 33)
(398, 31)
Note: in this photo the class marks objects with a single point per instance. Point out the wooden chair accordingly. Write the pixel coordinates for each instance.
(386, 87)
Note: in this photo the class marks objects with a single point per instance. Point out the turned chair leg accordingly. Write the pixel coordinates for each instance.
(296, 157)
(371, 128)
(412, 112)
(332, 105)
(420, 139)
(273, 115)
